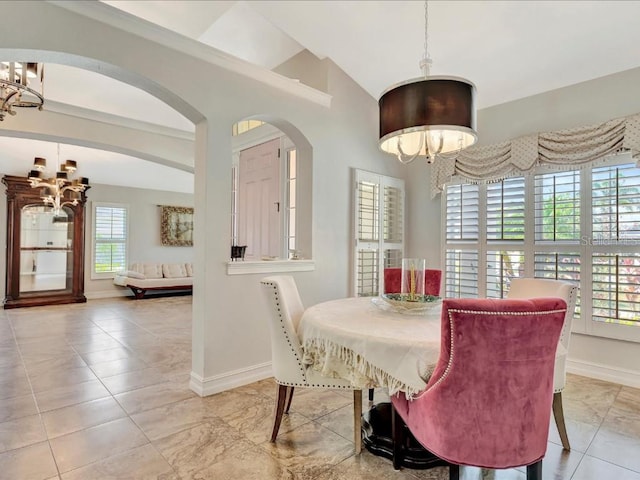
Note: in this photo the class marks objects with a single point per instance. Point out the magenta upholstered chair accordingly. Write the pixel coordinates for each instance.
(488, 402)
(393, 277)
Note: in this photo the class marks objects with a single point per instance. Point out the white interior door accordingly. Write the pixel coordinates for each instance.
(259, 208)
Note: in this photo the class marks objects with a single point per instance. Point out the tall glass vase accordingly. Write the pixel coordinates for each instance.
(412, 285)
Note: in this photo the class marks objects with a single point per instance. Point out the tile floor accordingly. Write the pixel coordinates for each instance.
(99, 391)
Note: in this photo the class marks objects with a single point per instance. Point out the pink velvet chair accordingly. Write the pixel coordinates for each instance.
(488, 402)
(393, 276)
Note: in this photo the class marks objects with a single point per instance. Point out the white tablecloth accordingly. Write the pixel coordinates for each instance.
(352, 338)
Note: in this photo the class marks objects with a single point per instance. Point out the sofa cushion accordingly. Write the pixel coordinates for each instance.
(132, 274)
(174, 270)
(149, 270)
(189, 267)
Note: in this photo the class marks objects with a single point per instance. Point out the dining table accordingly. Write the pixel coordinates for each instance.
(373, 343)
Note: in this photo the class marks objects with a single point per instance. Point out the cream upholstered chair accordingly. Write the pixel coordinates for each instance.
(285, 312)
(544, 287)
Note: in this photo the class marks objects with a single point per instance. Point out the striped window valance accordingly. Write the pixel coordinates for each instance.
(571, 147)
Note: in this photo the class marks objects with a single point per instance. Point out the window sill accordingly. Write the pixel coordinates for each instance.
(276, 266)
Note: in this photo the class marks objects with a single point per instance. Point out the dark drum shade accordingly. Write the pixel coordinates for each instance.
(428, 104)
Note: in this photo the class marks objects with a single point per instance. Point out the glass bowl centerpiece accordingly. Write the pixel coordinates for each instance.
(405, 301)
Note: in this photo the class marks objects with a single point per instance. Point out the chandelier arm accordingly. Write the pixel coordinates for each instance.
(406, 158)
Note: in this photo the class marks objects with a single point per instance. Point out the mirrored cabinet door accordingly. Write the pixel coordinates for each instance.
(45, 249)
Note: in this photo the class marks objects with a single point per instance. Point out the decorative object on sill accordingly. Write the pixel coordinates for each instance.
(429, 116)
(563, 149)
(237, 252)
(176, 226)
(58, 191)
(18, 84)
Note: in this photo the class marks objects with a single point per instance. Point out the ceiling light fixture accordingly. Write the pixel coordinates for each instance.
(16, 82)
(58, 191)
(427, 116)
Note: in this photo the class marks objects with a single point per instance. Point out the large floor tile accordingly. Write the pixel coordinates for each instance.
(107, 355)
(17, 407)
(250, 464)
(193, 451)
(624, 415)
(21, 432)
(141, 463)
(315, 403)
(174, 417)
(591, 468)
(14, 387)
(34, 462)
(71, 395)
(309, 450)
(96, 443)
(148, 398)
(256, 420)
(125, 382)
(83, 415)
(616, 448)
(116, 367)
(50, 380)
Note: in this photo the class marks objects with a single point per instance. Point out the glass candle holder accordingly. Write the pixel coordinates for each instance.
(412, 284)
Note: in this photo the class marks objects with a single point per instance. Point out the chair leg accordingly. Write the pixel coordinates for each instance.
(534, 471)
(281, 399)
(357, 420)
(558, 415)
(454, 472)
(371, 394)
(289, 398)
(398, 438)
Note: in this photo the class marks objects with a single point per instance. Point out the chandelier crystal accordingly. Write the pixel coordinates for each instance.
(60, 190)
(429, 116)
(21, 85)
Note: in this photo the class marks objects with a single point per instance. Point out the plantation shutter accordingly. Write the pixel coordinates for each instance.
(379, 230)
(110, 250)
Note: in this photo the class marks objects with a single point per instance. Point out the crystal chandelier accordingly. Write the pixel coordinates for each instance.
(428, 116)
(58, 191)
(19, 85)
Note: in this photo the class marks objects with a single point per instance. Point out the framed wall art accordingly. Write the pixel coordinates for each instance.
(176, 226)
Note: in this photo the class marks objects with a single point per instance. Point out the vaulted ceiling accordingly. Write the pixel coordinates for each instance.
(509, 49)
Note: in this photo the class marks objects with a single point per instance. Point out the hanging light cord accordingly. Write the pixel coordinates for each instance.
(425, 63)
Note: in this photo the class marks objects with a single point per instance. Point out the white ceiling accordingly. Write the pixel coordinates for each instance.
(509, 49)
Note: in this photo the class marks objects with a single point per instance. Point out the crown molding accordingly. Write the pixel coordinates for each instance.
(121, 20)
(111, 119)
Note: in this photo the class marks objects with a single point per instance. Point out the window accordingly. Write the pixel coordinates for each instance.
(582, 226)
(505, 210)
(290, 190)
(379, 230)
(110, 227)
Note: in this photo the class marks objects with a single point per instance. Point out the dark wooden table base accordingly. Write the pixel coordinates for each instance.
(376, 437)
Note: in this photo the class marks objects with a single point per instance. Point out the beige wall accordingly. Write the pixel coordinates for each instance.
(144, 231)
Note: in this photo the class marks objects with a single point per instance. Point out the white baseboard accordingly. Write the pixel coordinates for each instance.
(226, 381)
(107, 294)
(630, 378)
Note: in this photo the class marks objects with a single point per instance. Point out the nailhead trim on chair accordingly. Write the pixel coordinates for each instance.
(293, 350)
(300, 365)
(571, 301)
(481, 312)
